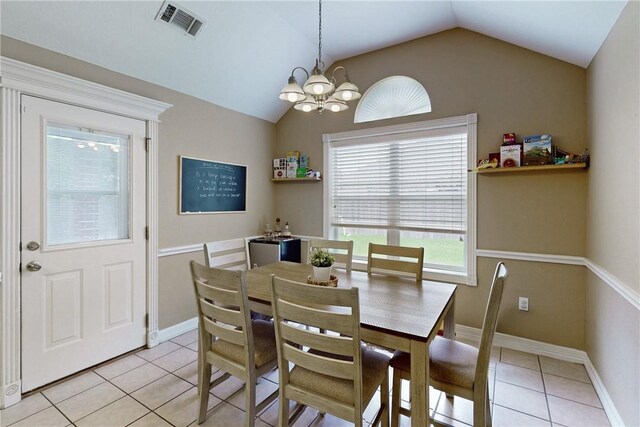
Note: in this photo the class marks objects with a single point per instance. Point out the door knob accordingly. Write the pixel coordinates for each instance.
(34, 266)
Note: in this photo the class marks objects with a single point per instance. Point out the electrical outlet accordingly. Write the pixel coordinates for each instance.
(523, 304)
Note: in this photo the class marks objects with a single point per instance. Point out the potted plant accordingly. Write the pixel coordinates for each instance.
(321, 260)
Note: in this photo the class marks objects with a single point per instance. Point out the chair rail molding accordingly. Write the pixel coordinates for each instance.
(18, 78)
(177, 250)
(624, 290)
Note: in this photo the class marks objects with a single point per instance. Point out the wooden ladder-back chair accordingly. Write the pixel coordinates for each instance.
(227, 254)
(342, 259)
(456, 368)
(228, 338)
(337, 375)
(396, 265)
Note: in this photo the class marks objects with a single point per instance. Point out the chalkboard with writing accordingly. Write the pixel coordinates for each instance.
(207, 186)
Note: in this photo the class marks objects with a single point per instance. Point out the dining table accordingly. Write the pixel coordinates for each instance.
(397, 313)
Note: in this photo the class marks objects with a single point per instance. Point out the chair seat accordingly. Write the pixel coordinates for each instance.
(450, 362)
(264, 345)
(374, 368)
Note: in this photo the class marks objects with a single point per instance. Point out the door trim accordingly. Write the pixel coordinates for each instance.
(18, 78)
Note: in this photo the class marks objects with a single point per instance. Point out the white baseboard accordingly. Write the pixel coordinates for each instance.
(550, 350)
(603, 394)
(177, 330)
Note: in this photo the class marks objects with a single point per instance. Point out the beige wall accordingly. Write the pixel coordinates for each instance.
(512, 90)
(613, 212)
(614, 131)
(195, 128)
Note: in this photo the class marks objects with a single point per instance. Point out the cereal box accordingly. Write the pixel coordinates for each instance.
(510, 155)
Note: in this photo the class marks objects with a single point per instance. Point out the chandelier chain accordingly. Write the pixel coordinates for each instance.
(319, 91)
(320, 63)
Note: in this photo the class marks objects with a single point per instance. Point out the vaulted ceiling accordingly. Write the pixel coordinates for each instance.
(246, 50)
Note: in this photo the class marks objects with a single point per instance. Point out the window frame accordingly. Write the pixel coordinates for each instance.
(470, 121)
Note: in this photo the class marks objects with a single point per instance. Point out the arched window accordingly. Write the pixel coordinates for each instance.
(395, 96)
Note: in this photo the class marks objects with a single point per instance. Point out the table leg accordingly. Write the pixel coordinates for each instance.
(419, 384)
(450, 321)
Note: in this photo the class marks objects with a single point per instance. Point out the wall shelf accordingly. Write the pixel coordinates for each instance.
(296, 179)
(538, 168)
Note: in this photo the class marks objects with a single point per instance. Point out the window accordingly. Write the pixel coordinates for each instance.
(406, 185)
(87, 174)
(395, 96)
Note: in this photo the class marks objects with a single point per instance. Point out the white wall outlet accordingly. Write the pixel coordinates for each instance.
(523, 304)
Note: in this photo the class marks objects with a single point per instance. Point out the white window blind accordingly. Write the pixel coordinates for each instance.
(406, 185)
(87, 175)
(414, 181)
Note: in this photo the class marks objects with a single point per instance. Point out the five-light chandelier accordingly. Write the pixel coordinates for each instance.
(319, 93)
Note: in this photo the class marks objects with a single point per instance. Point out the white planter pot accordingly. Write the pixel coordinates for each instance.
(321, 274)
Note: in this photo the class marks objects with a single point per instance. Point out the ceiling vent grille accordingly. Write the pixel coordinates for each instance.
(180, 18)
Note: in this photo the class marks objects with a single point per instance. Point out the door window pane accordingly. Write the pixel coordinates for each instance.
(87, 185)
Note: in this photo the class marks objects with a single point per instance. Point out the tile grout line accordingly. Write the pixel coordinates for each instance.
(518, 385)
(520, 412)
(139, 418)
(96, 410)
(544, 387)
(51, 405)
(94, 370)
(136, 400)
(171, 400)
(60, 382)
(93, 412)
(575, 401)
(571, 400)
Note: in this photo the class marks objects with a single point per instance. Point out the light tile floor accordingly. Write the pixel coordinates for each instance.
(157, 387)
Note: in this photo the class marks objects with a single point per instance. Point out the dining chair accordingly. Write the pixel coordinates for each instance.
(231, 255)
(456, 368)
(344, 260)
(395, 265)
(227, 254)
(336, 374)
(229, 339)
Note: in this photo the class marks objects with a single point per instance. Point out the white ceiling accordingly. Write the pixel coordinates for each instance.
(247, 49)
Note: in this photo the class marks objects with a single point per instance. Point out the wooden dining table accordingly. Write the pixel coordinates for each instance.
(395, 312)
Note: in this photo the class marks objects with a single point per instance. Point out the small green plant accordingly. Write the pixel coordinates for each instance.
(321, 258)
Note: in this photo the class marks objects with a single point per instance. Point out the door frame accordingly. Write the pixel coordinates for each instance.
(17, 79)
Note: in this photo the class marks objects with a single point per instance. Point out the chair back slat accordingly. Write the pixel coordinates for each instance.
(386, 265)
(393, 265)
(319, 363)
(227, 254)
(489, 324)
(321, 318)
(324, 295)
(222, 314)
(218, 294)
(318, 341)
(224, 333)
(342, 250)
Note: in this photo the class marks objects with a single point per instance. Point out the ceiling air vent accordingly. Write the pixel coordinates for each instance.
(180, 18)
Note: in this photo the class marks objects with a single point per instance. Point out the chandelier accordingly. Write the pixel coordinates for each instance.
(319, 92)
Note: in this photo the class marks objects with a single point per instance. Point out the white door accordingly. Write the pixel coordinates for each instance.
(83, 238)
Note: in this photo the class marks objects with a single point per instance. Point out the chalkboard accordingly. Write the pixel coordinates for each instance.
(208, 187)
